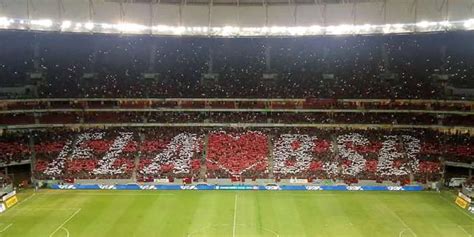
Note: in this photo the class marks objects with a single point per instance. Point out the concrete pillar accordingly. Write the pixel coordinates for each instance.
(268, 59)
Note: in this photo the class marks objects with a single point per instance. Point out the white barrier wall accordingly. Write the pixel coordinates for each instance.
(148, 16)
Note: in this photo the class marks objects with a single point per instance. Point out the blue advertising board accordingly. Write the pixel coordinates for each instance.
(235, 187)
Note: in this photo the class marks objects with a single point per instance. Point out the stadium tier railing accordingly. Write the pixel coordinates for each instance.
(75, 126)
(233, 105)
(238, 110)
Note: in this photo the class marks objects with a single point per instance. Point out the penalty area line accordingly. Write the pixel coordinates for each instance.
(457, 208)
(6, 228)
(66, 221)
(22, 201)
(464, 230)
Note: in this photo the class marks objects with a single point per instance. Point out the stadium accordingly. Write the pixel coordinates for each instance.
(237, 118)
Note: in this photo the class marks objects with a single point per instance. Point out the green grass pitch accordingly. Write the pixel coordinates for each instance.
(60, 213)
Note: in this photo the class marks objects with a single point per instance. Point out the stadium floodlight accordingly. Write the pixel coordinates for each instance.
(469, 24)
(298, 30)
(161, 28)
(228, 31)
(5, 22)
(130, 28)
(89, 25)
(178, 30)
(364, 28)
(445, 24)
(426, 24)
(339, 29)
(47, 23)
(65, 25)
(276, 30)
(314, 30)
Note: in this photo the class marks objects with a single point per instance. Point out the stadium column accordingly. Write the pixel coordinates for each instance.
(31, 145)
(203, 170)
(270, 156)
(141, 138)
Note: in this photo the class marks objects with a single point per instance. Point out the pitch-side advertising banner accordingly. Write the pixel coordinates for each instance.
(11, 201)
(236, 187)
(461, 202)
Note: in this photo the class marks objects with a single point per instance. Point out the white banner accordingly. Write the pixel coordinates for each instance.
(161, 181)
(463, 196)
(9, 195)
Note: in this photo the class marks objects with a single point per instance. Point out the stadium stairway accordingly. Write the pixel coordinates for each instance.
(137, 156)
(203, 170)
(31, 145)
(270, 156)
(334, 144)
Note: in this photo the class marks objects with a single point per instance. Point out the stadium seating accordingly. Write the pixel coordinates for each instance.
(237, 153)
(168, 153)
(181, 64)
(14, 148)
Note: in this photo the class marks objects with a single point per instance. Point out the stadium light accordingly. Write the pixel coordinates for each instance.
(445, 24)
(5, 22)
(425, 24)
(43, 23)
(130, 28)
(89, 25)
(469, 24)
(65, 25)
(228, 31)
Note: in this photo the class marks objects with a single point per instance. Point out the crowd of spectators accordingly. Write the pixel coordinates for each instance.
(4, 180)
(323, 67)
(318, 70)
(162, 153)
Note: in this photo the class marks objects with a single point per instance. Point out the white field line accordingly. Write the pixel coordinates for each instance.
(404, 223)
(66, 221)
(464, 230)
(235, 215)
(46, 208)
(401, 232)
(67, 231)
(28, 198)
(457, 208)
(264, 229)
(21, 202)
(4, 229)
(228, 225)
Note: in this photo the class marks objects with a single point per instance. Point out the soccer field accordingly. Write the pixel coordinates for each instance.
(235, 213)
